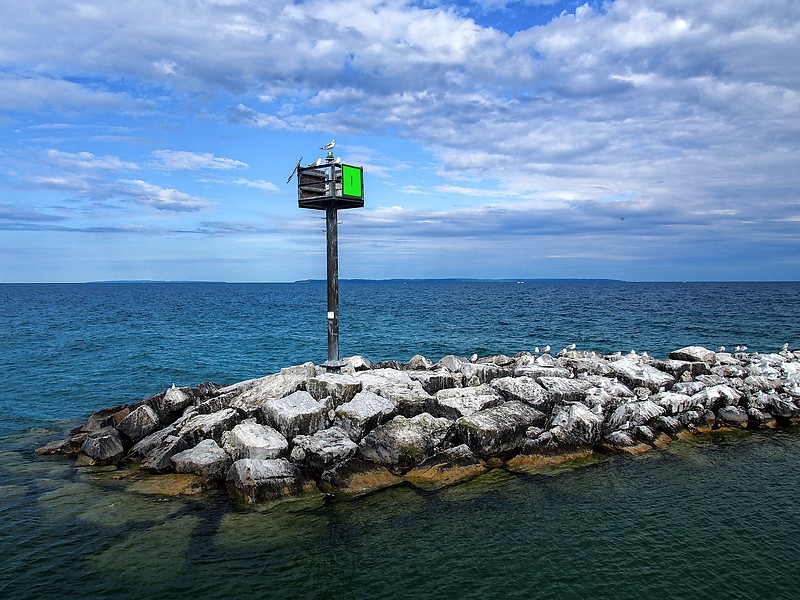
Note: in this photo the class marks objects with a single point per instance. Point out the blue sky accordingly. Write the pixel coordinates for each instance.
(625, 139)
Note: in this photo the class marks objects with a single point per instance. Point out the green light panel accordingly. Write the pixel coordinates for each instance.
(351, 181)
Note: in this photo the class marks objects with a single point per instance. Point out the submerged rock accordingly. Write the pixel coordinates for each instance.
(447, 467)
(357, 477)
(253, 480)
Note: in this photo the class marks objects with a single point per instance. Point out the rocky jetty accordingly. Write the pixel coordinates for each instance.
(434, 424)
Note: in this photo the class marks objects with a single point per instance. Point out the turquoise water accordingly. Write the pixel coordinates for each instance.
(711, 517)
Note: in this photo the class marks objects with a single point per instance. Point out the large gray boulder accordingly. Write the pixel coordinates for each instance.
(254, 480)
(171, 404)
(638, 374)
(209, 426)
(561, 389)
(357, 477)
(253, 440)
(295, 414)
(363, 413)
(409, 395)
(461, 402)
(631, 414)
(694, 354)
(139, 423)
(103, 447)
(322, 450)
(498, 429)
(674, 403)
(158, 458)
(717, 396)
(440, 379)
(206, 459)
(732, 417)
(249, 396)
(524, 389)
(340, 388)
(419, 363)
(402, 443)
(577, 423)
(447, 467)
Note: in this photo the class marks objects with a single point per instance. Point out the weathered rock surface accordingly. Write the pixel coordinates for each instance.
(498, 429)
(139, 423)
(363, 413)
(403, 443)
(340, 388)
(103, 447)
(318, 452)
(297, 413)
(409, 395)
(254, 480)
(695, 354)
(206, 459)
(461, 402)
(447, 467)
(253, 440)
(433, 424)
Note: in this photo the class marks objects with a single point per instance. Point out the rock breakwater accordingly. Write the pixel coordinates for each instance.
(433, 424)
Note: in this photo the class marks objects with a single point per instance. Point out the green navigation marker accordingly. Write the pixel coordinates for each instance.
(352, 181)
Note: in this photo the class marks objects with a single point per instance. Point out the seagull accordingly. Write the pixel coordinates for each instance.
(571, 347)
(472, 358)
(536, 350)
(329, 145)
(744, 348)
(786, 347)
(721, 349)
(546, 349)
(737, 349)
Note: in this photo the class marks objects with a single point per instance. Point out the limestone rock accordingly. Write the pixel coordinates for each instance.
(434, 381)
(498, 429)
(536, 371)
(524, 389)
(139, 423)
(447, 467)
(674, 403)
(103, 447)
(697, 421)
(761, 419)
(320, 451)
(695, 354)
(253, 440)
(106, 417)
(169, 405)
(358, 363)
(565, 390)
(578, 422)
(669, 425)
(356, 477)
(409, 395)
(460, 402)
(157, 458)
(70, 445)
(295, 414)
(732, 416)
(249, 396)
(624, 442)
(403, 443)
(717, 396)
(363, 413)
(341, 388)
(210, 426)
(206, 459)
(254, 480)
(419, 363)
(638, 374)
(651, 436)
(548, 449)
(631, 414)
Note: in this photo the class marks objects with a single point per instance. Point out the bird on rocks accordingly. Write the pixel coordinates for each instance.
(473, 358)
(721, 349)
(786, 347)
(546, 349)
(570, 347)
(536, 350)
(737, 349)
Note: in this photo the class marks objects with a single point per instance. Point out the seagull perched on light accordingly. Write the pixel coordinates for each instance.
(329, 145)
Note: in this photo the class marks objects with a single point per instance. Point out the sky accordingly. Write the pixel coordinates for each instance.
(628, 139)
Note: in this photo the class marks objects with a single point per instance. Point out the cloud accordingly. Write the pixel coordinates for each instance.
(161, 199)
(179, 160)
(87, 161)
(259, 184)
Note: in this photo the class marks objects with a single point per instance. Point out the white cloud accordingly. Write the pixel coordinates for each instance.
(87, 161)
(179, 160)
(162, 199)
(259, 184)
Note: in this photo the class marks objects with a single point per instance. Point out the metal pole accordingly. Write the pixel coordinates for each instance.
(331, 228)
